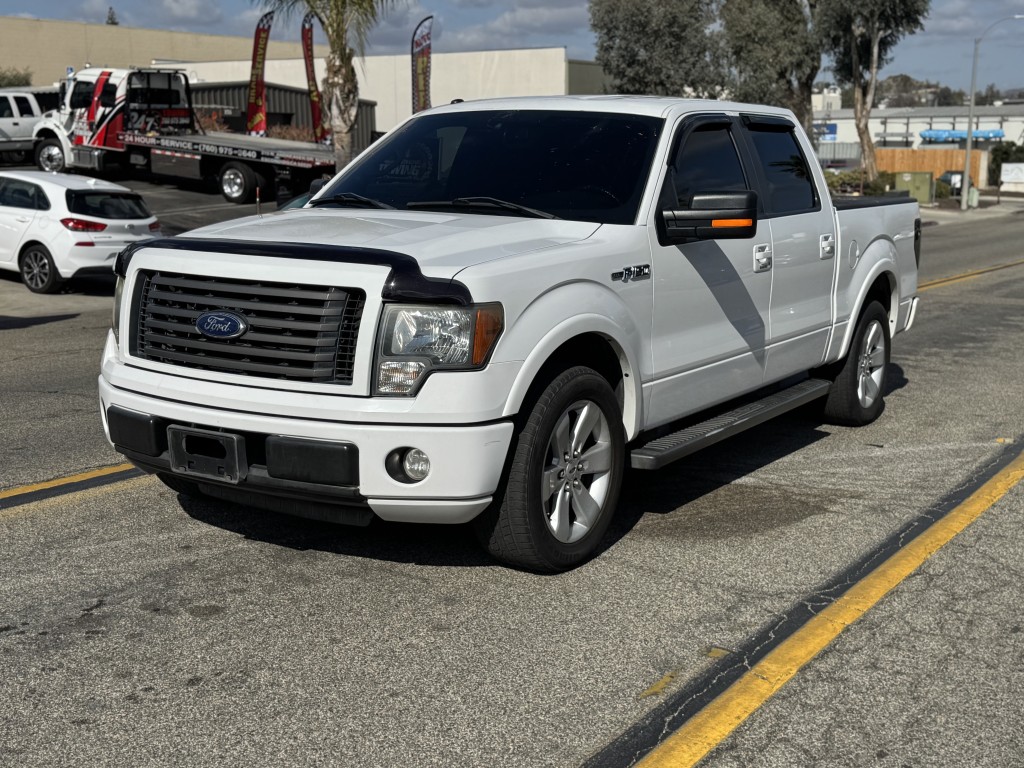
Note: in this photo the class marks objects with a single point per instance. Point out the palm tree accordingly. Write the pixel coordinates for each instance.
(346, 23)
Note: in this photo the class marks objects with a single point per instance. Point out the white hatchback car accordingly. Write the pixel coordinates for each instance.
(56, 226)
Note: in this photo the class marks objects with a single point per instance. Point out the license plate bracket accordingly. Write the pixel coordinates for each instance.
(205, 453)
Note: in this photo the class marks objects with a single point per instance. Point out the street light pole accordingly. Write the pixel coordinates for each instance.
(965, 183)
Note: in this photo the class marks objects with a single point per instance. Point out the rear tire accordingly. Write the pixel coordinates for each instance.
(237, 182)
(38, 272)
(564, 477)
(858, 390)
(50, 156)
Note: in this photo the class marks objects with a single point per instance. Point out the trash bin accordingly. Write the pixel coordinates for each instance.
(973, 197)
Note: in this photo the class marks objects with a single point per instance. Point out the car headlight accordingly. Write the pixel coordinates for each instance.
(416, 339)
(115, 319)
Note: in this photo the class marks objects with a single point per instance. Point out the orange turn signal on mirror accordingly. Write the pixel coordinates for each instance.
(723, 223)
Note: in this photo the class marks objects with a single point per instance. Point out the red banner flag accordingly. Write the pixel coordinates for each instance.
(321, 133)
(256, 114)
(421, 65)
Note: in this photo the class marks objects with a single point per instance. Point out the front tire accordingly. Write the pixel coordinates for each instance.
(858, 391)
(50, 156)
(564, 478)
(38, 272)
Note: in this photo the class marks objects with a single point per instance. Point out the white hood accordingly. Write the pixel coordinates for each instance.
(442, 243)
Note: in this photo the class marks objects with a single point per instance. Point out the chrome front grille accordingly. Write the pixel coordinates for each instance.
(296, 332)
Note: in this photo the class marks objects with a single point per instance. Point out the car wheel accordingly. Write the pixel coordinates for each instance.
(564, 477)
(50, 156)
(237, 183)
(38, 272)
(858, 390)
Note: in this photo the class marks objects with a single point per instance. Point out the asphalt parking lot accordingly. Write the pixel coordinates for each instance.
(138, 627)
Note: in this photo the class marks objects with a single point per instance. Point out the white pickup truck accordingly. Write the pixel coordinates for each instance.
(20, 111)
(497, 306)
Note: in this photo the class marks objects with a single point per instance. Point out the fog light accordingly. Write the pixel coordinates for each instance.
(416, 464)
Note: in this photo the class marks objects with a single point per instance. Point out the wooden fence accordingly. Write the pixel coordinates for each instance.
(935, 160)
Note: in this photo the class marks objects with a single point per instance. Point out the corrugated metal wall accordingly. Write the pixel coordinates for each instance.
(285, 106)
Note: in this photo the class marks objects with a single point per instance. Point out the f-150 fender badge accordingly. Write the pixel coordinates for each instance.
(221, 325)
(638, 272)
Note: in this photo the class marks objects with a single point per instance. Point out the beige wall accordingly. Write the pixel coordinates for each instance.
(47, 48)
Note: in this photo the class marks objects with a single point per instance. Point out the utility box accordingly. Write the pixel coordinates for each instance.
(918, 183)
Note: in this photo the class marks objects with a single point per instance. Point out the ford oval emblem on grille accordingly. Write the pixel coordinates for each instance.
(221, 325)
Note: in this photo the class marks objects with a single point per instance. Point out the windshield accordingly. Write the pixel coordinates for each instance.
(586, 166)
(107, 205)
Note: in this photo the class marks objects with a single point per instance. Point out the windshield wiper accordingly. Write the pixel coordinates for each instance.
(482, 202)
(349, 198)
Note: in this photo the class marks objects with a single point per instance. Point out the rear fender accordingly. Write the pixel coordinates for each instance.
(878, 259)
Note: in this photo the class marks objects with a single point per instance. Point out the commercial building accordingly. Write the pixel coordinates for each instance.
(387, 80)
(47, 48)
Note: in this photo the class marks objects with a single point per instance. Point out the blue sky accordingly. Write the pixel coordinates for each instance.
(942, 52)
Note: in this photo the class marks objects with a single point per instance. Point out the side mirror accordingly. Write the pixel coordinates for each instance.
(63, 93)
(713, 216)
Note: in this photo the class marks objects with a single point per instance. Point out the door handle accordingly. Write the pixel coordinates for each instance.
(22, 219)
(762, 257)
(828, 246)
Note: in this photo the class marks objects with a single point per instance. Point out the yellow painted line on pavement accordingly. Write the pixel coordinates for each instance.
(965, 276)
(91, 474)
(711, 725)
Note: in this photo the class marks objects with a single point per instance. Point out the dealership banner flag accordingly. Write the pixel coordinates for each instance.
(256, 113)
(321, 133)
(421, 65)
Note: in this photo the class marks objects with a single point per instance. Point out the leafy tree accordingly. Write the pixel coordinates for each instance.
(112, 17)
(861, 36)
(777, 68)
(1003, 152)
(947, 97)
(11, 77)
(346, 23)
(989, 96)
(659, 47)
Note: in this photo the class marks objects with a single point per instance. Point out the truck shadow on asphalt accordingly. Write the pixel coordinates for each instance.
(13, 323)
(93, 285)
(674, 490)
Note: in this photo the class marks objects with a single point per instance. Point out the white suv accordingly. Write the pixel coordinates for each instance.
(55, 226)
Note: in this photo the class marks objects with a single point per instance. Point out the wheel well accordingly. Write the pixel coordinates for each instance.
(28, 245)
(590, 349)
(46, 133)
(882, 292)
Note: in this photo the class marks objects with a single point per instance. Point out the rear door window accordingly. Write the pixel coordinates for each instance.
(16, 193)
(107, 205)
(788, 185)
(6, 110)
(24, 106)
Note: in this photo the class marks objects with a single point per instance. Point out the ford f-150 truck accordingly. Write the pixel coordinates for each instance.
(497, 306)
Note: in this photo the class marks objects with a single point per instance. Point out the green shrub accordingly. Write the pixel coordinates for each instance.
(942, 190)
(10, 77)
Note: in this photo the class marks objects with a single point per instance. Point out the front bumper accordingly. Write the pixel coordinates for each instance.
(466, 461)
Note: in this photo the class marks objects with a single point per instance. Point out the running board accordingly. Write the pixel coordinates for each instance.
(665, 450)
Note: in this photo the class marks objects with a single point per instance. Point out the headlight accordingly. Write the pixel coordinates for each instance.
(115, 319)
(416, 339)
